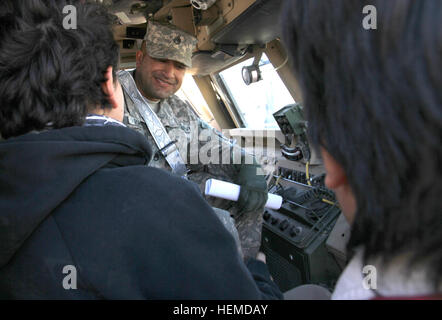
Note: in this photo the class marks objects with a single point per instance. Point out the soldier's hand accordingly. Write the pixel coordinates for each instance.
(253, 194)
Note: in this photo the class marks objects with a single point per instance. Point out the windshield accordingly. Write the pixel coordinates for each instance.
(258, 101)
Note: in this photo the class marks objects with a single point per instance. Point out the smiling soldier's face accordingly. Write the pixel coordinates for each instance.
(156, 78)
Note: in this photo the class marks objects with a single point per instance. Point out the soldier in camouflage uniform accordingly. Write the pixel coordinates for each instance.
(161, 64)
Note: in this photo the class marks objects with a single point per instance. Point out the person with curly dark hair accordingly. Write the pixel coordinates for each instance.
(81, 215)
(374, 105)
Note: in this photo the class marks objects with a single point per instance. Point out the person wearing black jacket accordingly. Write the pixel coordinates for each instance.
(68, 229)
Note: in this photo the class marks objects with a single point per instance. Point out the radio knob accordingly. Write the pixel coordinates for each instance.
(294, 231)
(274, 220)
(284, 225)
(266, 216)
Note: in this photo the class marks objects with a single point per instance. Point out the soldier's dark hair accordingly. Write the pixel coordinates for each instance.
(49, 74)
(373, 100)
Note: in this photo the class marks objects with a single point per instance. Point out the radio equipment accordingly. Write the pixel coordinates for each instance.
(294, 237)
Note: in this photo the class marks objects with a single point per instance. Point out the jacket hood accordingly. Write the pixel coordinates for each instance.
(38, 171)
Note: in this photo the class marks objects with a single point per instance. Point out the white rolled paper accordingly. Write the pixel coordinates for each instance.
(230, 191)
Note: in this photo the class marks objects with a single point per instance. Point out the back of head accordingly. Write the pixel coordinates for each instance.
(53, 59)
(373, 100)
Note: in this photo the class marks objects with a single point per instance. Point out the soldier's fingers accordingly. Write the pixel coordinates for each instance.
(253, 201)
(263, 200)
(250, 202)
(257, 204)
(243, 200)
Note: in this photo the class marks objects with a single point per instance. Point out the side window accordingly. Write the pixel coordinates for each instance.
(257, 102)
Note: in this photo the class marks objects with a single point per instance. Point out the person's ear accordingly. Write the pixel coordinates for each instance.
(108, 88)
(335, 176)
(139, 58)
(336, 179)
(139, 55)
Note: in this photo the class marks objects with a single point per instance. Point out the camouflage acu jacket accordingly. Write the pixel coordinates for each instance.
(206, 152)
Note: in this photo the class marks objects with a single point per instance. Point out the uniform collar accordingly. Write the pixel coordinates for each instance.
(166, 115)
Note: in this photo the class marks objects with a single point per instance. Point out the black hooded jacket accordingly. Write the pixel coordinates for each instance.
(83, 217)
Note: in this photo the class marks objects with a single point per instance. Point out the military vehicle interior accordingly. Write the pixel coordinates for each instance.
(242, 84)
